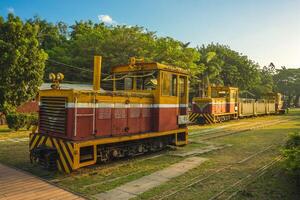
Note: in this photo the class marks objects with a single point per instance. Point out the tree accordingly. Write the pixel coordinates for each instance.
(49, 35)
(229, 67)
(53, 39)
(21, 61)
(208, 70)
(116, 44)
(287, 82)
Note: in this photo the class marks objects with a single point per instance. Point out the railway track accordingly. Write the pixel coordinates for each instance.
(236, 130)
(227, 193)
(206, 135)
(200, 178)
(93, 170)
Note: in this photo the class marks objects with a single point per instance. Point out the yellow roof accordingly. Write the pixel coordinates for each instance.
(221, 87)
(147, 66)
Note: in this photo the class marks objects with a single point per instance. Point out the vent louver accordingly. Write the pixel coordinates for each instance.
(53, 114)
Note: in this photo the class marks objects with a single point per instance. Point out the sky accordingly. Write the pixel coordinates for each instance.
(264, 30)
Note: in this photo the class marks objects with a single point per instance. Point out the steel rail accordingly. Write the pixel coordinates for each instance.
(196, 179)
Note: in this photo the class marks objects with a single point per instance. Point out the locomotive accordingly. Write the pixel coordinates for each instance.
(145, 111)
(222, 103)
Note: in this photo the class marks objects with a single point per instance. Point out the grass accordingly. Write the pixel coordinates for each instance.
(6, 133)
(243, 145)
(92, 180)
(107, 177)
(277, 184)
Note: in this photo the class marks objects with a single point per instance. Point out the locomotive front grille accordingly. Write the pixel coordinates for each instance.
(53, 114)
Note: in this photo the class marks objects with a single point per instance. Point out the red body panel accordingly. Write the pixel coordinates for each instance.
(166, 119)
(103, 121)
(119, 121)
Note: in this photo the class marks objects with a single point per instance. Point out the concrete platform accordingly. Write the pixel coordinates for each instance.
(143, 184)
(18, 185)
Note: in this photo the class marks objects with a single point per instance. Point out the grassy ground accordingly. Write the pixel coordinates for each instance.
(243, 145)
(92, 180)
(277, 184)
(6, 133)
(16, 154)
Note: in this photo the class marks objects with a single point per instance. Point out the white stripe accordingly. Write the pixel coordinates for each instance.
(213, 103)
(123, 105)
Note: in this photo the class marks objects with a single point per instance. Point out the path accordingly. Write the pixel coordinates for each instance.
(15, 185)
(141, 185)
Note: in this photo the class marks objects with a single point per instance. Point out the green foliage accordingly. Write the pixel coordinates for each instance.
(225, 66)
(115, 43)
(21, 61)
(31, 120)
(266, 83)
(8, 108)
(49, 35)
(292, 153)
(17, 121)
(287, 82)
(76, 45)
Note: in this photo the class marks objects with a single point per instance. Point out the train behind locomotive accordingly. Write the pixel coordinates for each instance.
(222, 103)
(145, 111)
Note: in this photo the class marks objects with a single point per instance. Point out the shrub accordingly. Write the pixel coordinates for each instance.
(31, 120)
(17, 121)
(292, 153)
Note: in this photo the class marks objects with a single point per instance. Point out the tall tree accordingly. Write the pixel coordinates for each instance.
(231, 67)
(116, 44)
(21, 61)
(287, 82)
(266, 84)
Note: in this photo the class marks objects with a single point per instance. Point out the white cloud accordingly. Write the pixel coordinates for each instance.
(10, 10)
(106, 19)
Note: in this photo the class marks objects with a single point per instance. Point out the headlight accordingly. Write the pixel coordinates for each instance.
(60, 76)
(51, 76)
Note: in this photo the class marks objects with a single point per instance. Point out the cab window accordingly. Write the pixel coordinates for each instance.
(119, 84)
(169, 84)
(146, 83)
(128, 83)
(182, 86)
(136, 80)
(173, 91)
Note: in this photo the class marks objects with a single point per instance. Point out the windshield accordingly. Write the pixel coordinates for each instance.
(146, 80)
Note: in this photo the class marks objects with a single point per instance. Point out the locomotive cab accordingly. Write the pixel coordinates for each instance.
(145, 111)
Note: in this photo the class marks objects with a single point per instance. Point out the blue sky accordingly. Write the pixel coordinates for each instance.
(265, 30)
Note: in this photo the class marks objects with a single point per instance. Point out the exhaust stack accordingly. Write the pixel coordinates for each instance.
(97, 73)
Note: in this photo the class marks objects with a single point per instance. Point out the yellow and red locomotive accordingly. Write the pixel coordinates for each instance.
(145, 111)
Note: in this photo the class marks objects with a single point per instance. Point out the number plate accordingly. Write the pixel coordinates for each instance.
(183, 119)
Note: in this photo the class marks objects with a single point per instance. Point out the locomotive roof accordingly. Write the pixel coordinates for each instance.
(225, 87)
(148, 66)
(66, 86)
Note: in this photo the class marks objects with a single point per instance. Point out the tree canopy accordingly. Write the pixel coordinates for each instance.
(22, 61)
(287, 82)
(70, 50)
(115, 43)
(227, 67)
